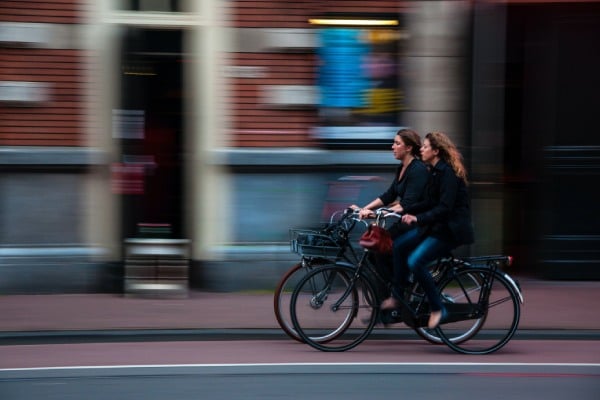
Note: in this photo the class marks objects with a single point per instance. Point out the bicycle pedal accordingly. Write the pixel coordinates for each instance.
(391, 317)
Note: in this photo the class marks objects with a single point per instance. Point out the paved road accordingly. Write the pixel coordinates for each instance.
(259, 369)
(333, 381)
(553, 370)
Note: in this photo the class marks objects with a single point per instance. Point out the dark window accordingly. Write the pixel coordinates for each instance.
(150, 5)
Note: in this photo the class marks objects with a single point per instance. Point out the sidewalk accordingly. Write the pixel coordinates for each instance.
(552, 305)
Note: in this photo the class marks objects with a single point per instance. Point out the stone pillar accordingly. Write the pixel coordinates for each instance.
(436, 62)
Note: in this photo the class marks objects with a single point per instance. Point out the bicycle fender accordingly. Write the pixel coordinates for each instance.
(515, 286)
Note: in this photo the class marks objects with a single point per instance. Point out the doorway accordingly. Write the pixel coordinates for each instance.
(551, 146)
(148, 129)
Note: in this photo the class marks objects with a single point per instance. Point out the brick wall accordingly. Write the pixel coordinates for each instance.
(255, 123)
(294, 14)
(59, 119)
(48, 11)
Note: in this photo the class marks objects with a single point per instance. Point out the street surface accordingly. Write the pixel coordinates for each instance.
(229, 346)
(333, 381)
(263, 369)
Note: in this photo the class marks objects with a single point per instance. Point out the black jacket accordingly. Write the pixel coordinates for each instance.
(445, 213)
(408, 190)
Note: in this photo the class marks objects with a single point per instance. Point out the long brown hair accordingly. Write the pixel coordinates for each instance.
(448, 152)
(411, 138)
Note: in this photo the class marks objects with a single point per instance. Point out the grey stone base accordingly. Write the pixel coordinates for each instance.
(252, 268)
(60, 276)
(246, 269)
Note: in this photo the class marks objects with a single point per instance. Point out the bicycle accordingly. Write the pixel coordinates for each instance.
(324, 247)
(474, 290)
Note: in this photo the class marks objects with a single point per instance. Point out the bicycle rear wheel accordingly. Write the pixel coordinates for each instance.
(469, 327)
(283, 294)
(331, 311)
(464, 295)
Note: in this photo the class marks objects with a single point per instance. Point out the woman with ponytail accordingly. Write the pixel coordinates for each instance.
(409, 181)
(443, 221)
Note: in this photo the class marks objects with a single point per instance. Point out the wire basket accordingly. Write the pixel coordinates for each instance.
(313, 243)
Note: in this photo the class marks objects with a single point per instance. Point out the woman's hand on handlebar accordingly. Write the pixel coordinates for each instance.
(397, 208)
(363, 213)
(409, 219)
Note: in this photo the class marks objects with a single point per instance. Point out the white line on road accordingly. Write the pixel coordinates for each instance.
(302, 368)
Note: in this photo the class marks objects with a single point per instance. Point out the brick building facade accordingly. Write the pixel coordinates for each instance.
(131, 119)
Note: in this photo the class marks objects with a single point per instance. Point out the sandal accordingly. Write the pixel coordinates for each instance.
(389, 304)
(436, 318)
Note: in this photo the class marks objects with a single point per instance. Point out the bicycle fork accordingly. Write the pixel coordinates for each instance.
(322, 293)
(352, 284)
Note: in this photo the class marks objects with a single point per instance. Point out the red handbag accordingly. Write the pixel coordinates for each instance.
(376, 239)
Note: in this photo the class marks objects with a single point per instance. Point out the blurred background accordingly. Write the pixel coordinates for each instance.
(175, 142)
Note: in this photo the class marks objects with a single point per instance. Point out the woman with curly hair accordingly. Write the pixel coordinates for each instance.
(443, 221)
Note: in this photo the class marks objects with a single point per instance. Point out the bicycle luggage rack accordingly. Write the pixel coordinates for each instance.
(313, 243)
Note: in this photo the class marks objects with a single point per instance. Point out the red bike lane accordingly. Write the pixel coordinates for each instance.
(288, 351)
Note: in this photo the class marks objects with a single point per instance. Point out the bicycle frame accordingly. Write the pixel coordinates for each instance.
(363, 269)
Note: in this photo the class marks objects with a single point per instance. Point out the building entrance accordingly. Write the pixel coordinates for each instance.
(148, 129)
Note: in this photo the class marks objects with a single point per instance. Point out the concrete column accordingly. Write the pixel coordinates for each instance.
(436, 68)
(207, 183)
(102, 219)
(454, 83)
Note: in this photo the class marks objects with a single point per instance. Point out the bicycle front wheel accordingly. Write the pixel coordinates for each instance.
(479, 294)
(283, 294)
(331, 310)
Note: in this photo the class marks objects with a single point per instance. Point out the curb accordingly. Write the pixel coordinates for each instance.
(165, 335)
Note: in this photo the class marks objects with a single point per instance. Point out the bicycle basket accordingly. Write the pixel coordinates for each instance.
(313, 243)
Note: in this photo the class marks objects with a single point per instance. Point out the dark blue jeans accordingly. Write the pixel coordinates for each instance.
(412, 253)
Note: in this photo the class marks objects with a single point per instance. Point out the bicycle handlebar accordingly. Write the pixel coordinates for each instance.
(387, 212)
(379, 218)
(381, 214)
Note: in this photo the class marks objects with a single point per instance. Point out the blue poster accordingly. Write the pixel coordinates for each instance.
(343, 81)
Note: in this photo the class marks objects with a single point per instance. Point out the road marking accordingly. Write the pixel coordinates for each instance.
(300, 368)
